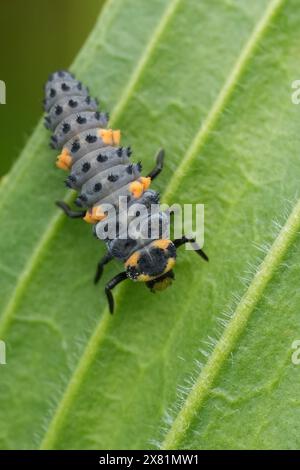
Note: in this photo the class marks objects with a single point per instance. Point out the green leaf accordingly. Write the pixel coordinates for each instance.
(206, 364)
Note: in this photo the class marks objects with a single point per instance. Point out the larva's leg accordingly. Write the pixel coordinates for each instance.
(110, 285)
(181, 241)
(159, 164)
(106, 259)
(69, 212)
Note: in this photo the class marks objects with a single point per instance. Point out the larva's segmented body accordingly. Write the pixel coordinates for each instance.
(101, 172)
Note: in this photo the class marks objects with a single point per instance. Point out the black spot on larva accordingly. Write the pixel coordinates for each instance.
(60, 73)
(73, 103)
(81, 119)
(97, 115)
(112, 178)
(75, 146)
(52, 93)
(88, 99)
(102, 158)
(128, 151)
(66, 127)
(79, 86)
(85, 167)
(139, 166)
(65, 87)
(120, 152)
(129, 169)
(105, 228)
(91, 138)
(58, 110)
(54, 138)
(97, 187)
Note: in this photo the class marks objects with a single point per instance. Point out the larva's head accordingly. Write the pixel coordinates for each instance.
(153, 264)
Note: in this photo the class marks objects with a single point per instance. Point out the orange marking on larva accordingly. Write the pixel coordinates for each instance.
(98, 213)
(88, 218)
(170, 265)
(117, 137)
(94, 215)
(163, 243)
(133, 259)
(146, 277)
(64, 160)
(146, 181)
(106, 136)
(136, 188)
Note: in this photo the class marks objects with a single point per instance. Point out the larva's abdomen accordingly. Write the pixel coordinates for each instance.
(59, 88)
(113, 198)
(100, 170)
(144, 204)
(66, 106)
(122, 247)
(106, 182)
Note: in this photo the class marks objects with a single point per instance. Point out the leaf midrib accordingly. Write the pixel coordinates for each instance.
(175, 432)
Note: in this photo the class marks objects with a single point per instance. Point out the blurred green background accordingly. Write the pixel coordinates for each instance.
(36, 38)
